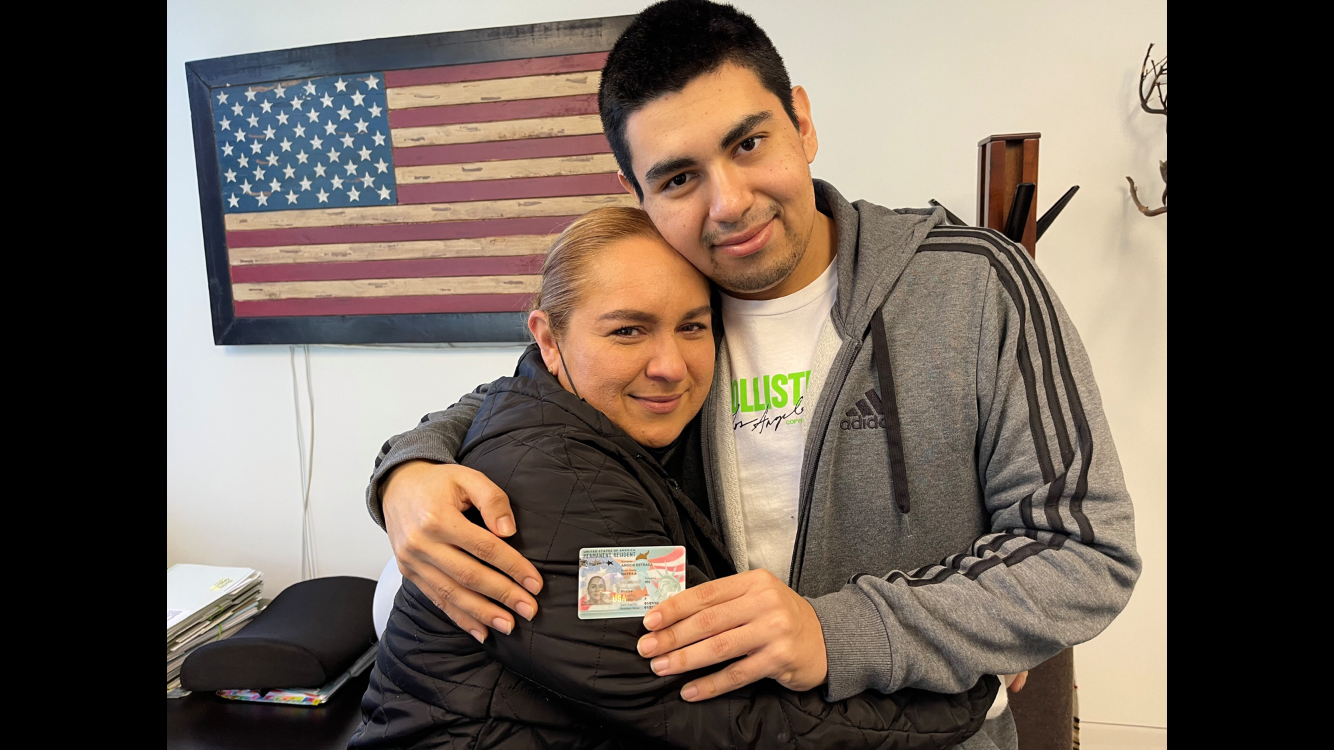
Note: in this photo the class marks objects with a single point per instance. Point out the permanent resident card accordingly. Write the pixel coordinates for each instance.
(628, 581)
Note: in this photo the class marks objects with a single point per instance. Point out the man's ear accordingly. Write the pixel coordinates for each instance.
(540, 326)
(629, 188)
(810, 143)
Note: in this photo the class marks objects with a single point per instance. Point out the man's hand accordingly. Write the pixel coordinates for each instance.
(438, 548)
(1015, 683)
(752, 614)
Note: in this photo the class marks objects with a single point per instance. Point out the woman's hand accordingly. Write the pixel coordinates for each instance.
(440, 550)
(751, 614)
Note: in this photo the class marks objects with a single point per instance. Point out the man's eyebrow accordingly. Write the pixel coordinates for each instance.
(635, 316)
(676, 164)
(746, 125)
(697, 312)
(666, 167)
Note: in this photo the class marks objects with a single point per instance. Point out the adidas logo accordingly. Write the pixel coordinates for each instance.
(868, 414)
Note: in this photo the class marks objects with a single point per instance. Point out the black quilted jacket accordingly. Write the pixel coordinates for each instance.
(576, 480)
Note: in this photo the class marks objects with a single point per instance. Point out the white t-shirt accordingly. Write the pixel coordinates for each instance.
(771, 347)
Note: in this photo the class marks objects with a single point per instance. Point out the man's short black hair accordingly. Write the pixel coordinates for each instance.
(669, 45)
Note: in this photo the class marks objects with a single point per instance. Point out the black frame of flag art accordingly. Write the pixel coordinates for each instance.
(399, 53)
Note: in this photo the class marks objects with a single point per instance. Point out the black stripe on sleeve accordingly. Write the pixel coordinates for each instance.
(993, 545)
(1051, 507)
(940, 575)
(1081, 419)
(1025, 360)
(1040, 329)
(1082, 430)
(1014, 558)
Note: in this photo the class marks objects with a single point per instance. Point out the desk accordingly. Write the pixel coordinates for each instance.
(203, 721)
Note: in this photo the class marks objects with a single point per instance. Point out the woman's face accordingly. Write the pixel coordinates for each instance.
(639, 346)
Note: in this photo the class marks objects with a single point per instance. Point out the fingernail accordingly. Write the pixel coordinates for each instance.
(506, 525)
(533, 585)
(689, 692)
(652, 620)
(479, 635)
(525, 609)
(502, 625)
(647, 644)
(658, 665)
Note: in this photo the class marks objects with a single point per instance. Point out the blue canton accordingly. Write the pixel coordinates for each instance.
(311, 143)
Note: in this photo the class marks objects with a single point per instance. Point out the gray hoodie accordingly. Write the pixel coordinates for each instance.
(962, 511)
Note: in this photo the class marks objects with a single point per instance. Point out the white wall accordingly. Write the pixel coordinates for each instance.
(902, 92)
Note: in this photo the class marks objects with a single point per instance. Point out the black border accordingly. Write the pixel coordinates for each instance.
(394, 53)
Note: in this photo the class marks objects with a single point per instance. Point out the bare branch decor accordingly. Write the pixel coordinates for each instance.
(1152, 99)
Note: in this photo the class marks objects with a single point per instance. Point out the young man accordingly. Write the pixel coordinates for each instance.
(904, 448)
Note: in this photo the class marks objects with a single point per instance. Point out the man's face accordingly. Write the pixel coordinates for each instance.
(726, 177)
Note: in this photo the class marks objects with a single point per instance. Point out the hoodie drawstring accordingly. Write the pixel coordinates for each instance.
(898, 470)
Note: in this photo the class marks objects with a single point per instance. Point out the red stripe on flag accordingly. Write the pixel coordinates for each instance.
(522, 187)
(527, 148)
(532, 66)
(445, 230)
(523, 109)
(454, 303)
(390, 269)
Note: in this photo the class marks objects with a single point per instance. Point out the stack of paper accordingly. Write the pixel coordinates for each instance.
(205, 604)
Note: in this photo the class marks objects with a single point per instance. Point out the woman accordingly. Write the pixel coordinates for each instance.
(591, 440)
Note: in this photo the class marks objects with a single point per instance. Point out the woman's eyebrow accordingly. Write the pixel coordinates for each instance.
(698, 312)
(634, 316)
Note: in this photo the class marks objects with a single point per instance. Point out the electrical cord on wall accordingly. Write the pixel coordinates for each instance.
(306, 456)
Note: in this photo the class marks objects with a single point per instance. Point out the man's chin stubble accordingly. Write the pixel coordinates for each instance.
(760, 278)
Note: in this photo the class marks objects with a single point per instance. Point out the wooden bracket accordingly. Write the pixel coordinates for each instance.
(1004, 161)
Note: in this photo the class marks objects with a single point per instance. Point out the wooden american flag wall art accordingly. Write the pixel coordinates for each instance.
(396, 190)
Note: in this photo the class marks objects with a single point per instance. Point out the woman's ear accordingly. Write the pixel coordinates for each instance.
(540, 326)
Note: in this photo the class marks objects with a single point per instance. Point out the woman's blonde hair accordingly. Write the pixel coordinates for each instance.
(570, 261)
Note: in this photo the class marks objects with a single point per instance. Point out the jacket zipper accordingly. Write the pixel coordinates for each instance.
(838, 371)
